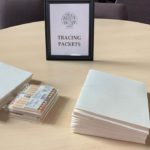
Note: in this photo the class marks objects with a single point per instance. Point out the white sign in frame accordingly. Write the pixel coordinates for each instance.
(69, 31)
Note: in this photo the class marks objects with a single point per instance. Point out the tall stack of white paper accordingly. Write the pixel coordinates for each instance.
(112, 107)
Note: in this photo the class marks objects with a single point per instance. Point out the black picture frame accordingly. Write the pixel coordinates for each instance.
(49, 55)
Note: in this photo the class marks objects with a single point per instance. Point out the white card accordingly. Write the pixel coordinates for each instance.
(69, 29)
(115, 97)
(10, 78)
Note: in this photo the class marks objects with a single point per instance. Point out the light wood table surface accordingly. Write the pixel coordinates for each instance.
(121, 48)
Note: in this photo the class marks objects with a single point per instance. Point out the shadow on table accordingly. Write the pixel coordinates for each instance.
(56, 111)
(109, 62)
(112, 62)
(121, 63)
(148, 139)
(4, 115)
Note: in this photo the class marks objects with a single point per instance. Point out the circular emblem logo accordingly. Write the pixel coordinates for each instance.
(69, 19)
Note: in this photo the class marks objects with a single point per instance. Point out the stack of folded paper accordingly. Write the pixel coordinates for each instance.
(33, 102)
(112, 107)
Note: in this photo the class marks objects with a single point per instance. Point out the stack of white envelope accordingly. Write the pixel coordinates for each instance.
(112, 107)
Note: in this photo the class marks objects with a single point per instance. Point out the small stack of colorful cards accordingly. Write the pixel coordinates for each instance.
(33, 102)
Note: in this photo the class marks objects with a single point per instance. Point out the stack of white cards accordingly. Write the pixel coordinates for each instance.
(112, 107)
(25, 99)
(11, 81)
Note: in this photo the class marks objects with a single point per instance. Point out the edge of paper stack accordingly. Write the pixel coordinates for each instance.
(112, 107)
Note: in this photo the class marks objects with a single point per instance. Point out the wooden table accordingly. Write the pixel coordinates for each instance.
(121, 48)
